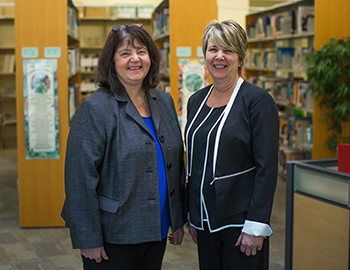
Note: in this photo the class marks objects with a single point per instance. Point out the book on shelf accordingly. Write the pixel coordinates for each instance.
(127, 11)
(89, 62)
(165, 58)
(283, 91)
(7, 118)
(270, 58)
(144, 11)
(299, 59)
(7, 63)
(285, 57)
(72, 100)
(72, 22)
(255, 58)
(73, 61)
(267, 83)
(87, 85)
(306, 19)
(295, 131)
(161, 23)
(302, 95)
(281, 23)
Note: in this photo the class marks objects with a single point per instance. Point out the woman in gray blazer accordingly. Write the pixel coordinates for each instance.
(232, 148)
(124, 171)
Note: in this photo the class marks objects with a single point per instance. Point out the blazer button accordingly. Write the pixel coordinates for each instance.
(169, 165)
(172, 192)
(161, 138)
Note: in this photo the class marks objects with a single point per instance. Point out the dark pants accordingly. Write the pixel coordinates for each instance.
(145, 256)
(218, 251)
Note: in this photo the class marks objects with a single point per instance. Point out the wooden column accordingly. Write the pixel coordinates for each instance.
(187, 22)
(41, 23)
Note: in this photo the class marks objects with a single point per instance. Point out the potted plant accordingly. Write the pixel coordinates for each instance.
(329, 81)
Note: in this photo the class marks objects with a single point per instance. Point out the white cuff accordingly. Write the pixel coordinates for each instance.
(256, 228)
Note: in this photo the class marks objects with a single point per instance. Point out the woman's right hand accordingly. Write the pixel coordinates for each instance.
(193, 232)
(96, 254)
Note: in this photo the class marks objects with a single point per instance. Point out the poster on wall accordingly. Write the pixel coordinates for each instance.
(192, 77)
(41, 108)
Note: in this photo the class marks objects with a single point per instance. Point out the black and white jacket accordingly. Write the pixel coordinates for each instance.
(243, 161)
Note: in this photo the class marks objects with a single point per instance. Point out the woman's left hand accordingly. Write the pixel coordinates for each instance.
(176, 237)
(250, 244)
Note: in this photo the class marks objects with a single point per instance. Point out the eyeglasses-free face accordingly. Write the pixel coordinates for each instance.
(132, 63)
(122, 27)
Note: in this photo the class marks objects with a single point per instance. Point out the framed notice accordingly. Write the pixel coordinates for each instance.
(41, 108)
(192, 77)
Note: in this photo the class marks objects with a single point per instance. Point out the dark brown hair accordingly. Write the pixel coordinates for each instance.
(106, 72)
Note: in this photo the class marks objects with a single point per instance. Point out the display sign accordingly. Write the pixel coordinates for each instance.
(41, 108)
(52, 52)
(30, 52)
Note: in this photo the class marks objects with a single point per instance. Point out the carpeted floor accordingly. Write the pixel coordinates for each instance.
(50, 248)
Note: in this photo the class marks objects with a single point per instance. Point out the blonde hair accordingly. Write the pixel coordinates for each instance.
(227, 34)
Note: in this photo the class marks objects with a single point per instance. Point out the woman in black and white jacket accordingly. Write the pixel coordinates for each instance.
(232, 152)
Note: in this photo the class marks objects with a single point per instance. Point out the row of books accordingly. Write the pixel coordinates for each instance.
(293, 93)
(161, 23)
(118, 11)
(286, 154)
(87, 85)
(7, 63)
(92, 42)
(72, 22)
(278, 58)
(295, 131)
(73, 93)
(297, 21)
(165, 58)
(7, 118)
(7, 93)
(89, 62)
(73, 61)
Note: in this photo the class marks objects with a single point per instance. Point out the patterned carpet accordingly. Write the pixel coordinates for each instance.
(50, 248)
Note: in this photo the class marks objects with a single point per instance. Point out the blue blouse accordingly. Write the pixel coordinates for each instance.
(163, 190)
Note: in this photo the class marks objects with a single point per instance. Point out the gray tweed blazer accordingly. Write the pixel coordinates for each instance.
(111, 173)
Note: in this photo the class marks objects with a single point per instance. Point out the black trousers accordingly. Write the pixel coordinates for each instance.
(218, 251)
(145, 256)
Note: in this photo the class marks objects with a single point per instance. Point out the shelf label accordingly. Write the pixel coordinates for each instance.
(183, 51)
(200, 52)
(30, 52)
(52, 52)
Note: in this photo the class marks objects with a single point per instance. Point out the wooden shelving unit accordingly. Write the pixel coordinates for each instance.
(41, 181)
(265, 67)
(7, 83)
(185, 30)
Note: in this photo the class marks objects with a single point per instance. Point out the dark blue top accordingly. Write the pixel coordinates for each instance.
(163, 190)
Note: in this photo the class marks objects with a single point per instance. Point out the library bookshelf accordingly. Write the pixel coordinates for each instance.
(279, 39)
(329, 22)
(182, 29)
(41, 180)
(7, 79)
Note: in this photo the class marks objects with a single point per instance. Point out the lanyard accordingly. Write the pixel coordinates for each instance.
(223, 120)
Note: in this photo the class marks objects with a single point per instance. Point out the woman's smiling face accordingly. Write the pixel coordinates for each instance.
(132, 63)
(221, 63)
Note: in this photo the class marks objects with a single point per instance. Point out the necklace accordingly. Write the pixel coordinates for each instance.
(143, 101)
